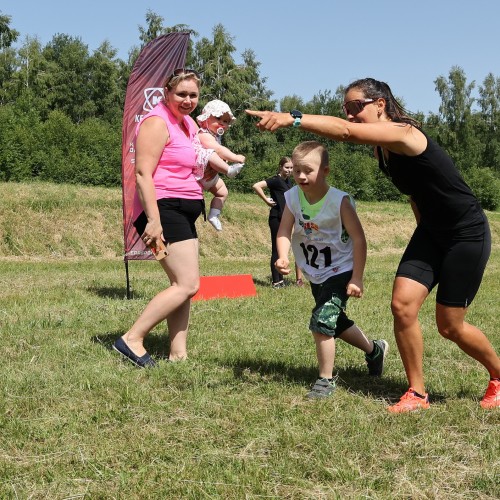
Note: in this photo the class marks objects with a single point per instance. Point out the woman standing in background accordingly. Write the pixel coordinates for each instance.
(277, 185)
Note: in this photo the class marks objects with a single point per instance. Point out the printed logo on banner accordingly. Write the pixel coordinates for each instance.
(152, 97)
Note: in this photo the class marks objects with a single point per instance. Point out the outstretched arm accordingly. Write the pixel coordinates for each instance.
(397, 137)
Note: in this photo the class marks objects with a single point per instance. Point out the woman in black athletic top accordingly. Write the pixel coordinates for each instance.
(277, 186)
(451, 244)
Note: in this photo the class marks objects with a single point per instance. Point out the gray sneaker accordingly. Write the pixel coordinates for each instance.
(375, 361)
(322, 388)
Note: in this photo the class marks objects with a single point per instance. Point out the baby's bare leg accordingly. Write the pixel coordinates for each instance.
(220, 193)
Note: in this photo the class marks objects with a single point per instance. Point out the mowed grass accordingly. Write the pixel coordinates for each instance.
(231, 421)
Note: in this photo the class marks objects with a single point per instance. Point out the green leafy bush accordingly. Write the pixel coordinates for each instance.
(486, 186)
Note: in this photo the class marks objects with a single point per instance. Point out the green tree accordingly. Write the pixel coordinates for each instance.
(19, 144)
(60, 95)
(152, 30)
(8, 59)
(155, 28)
(69, 77)
(32, 79)
(104, 88)
(8, 35)
(489, 102)
(455, 110)
(241, 87)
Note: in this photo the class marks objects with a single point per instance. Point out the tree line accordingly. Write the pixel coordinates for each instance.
(61, 110)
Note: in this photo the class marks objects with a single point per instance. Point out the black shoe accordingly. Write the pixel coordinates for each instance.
(375, 361)
(145, 361)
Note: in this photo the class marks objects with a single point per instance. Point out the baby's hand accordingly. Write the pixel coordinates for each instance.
(282, 266)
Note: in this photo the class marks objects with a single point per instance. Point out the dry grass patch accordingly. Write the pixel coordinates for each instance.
(49, 221)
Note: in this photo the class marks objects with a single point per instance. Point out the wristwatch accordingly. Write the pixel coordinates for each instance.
(297, 115)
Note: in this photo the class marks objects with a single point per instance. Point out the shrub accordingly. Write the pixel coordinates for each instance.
(486, 186)
(18, 144)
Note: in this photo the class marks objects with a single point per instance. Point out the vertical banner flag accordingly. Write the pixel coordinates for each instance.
(156, 61)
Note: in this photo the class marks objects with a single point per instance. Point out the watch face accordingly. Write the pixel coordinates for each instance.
(295, 113)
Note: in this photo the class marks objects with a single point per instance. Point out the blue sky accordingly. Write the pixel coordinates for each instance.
(303, 47)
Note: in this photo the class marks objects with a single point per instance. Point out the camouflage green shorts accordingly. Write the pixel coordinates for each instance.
(328, 316)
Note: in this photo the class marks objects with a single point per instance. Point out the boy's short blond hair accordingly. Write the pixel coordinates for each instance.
(304, 148)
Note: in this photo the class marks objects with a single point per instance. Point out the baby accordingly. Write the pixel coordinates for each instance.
(216, 117)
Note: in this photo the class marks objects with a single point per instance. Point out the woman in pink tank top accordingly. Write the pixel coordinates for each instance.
(167, 203)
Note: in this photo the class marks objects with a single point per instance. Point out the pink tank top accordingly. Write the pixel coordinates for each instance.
(174, 178)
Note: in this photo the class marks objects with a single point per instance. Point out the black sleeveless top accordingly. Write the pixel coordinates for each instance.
(445, 202)
(277, 187)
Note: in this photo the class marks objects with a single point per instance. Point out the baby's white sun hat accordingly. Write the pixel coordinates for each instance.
(215, 108)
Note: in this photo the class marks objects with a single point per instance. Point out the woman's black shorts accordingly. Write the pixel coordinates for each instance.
(455, 261)
(177, 216)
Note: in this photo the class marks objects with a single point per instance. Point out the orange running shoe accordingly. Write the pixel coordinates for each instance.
(491, 398)
(410, 402)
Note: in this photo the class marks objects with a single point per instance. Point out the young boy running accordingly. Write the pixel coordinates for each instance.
(329, 246)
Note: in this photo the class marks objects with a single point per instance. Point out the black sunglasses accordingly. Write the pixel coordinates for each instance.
(184, 71)
(355, 106)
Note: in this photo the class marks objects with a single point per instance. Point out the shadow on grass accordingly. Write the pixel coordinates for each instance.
(267, 283)
(351, 378)
(261, 282)
(355, 379)
(120, 293)
(114, 292)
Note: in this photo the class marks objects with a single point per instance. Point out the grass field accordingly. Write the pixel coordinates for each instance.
(231, 421)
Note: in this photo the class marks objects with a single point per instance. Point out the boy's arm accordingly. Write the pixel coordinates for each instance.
(209, 142)
(352, 225)
(282, 265)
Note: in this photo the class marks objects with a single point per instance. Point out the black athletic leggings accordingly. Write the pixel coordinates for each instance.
(455, 261)
(274, 224)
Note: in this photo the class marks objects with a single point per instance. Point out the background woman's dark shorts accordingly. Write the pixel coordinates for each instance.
(178, 217)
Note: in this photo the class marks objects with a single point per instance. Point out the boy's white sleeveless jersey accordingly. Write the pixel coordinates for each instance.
(321, 246)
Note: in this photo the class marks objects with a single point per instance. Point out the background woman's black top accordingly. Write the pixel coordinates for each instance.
(277, 187)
